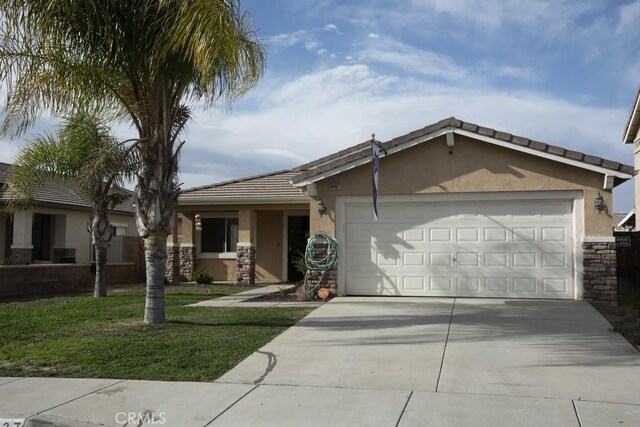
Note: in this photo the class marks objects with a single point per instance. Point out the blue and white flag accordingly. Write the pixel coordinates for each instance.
(375, 155)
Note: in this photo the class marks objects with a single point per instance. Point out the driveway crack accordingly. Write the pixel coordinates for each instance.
(446, 342)
(272, 361)
(575, 410)
(404, 408)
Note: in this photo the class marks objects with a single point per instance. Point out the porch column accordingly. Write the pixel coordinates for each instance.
(172, 272)
(187, 248)
(22, 246)
(246, 250)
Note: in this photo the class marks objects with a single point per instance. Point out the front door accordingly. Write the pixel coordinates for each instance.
(41, 237)
(297, 235)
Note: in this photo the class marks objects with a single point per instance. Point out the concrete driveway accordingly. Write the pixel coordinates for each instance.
(442, 361)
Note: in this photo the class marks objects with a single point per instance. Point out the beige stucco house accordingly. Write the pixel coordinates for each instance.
(55, 229)
(464, 210)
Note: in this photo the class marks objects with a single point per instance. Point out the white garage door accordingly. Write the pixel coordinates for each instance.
(518, 249)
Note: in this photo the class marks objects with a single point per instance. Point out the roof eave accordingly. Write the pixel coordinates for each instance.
(367, 158)
(243, 201)
(626, 218)
(631, 129)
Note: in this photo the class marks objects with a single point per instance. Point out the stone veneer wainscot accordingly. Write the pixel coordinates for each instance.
(246, 264)
(600, 280)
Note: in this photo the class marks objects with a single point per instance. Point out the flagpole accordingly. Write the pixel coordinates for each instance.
(375, 166)
(378, 143)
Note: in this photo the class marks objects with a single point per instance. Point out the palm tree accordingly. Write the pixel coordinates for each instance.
(143, 60)
(83, 152)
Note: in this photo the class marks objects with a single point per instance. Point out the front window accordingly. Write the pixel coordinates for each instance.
(219, 235)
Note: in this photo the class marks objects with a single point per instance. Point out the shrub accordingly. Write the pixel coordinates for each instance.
(299, 263)
(202, 278)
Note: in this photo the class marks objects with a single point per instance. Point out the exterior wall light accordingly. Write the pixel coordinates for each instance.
(599, 203)
(322, 209)
(198, 222)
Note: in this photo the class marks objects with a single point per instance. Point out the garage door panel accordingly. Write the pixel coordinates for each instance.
(497, 249)
(523, 259)
(469, 284)
(492, 234)
(496, 285)
(524, 234)
(439, 235)
(414, 235)
(467, 259)
(495, 259)
(467, 234)
(386, 260)
(413, 259)
(439, 259)
(442, 283)
(555, 234)
(413, 283)
(555, 286)
(524, 284)
(554, 259)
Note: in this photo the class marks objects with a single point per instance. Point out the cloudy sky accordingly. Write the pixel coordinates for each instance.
(561, 71)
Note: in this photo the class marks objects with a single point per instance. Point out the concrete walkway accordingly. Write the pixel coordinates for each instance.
(387, 362)
(241, 299)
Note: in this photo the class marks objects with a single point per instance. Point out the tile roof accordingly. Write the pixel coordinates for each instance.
(628, 225)
(616, 218)
(272, 187)
(362, 151)
(57, 194)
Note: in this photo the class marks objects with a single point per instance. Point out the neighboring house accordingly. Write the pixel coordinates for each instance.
(464, 211)
(55, 229)
(632, 136)
(624, 221)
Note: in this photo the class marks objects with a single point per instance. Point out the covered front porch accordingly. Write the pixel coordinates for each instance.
(240, 244)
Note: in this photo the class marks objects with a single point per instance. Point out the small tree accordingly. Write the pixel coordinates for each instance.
(82, 152)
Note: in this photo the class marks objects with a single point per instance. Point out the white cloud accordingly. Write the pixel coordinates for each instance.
(373, 35)
(331, 27)
(322, 52)
(518, 73)
(629, 18)
(411, 59)
(304, 37)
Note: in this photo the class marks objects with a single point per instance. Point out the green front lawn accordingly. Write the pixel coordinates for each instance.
(82, 336)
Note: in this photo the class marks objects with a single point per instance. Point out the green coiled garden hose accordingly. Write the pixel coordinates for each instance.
(320, 255)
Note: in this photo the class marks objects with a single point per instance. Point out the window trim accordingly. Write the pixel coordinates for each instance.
(198, 238)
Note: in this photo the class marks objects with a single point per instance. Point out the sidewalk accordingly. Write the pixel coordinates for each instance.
(88, 402)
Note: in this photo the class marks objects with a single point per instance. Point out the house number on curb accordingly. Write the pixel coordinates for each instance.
(4, 422)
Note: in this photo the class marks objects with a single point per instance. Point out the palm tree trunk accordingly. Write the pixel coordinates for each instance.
(100, 237)
(156, 199)
(100, 288)
(155, 252)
